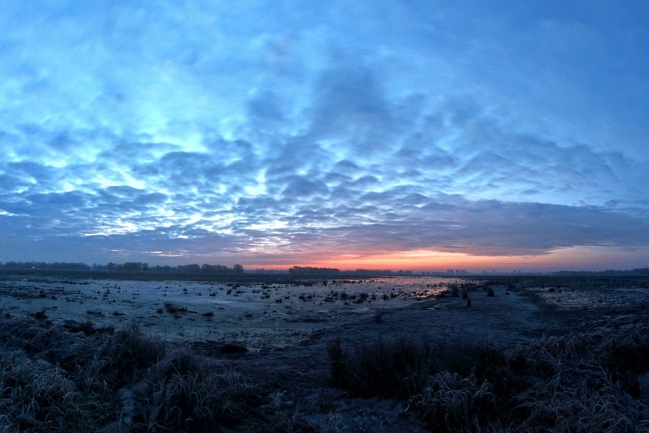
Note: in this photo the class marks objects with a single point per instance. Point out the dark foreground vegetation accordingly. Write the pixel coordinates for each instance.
(78, 378)
(585, 383)
(74, 377)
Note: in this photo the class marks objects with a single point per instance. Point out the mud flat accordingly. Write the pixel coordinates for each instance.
(382, 354)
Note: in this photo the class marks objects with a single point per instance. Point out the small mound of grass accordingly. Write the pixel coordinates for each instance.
(128, 352)
(40, 315)
(186, 393)
(450, 402)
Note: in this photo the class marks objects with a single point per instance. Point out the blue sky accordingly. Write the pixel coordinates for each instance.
(411, 134)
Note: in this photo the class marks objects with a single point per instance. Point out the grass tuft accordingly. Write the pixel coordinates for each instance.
(37, 396)
(185, 393)
(450, 402)
(128, 352)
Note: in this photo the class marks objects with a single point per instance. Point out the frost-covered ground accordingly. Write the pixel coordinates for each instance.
(259, 315)
(566, 329)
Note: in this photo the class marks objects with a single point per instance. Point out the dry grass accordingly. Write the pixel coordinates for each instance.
(183, 392)
(78, 378)
(53, 380)
(450, 402)
(382, 368)
(128, 353)
(576, 383)
(39, 397)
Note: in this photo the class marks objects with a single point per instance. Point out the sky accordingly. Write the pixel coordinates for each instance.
(416, 134)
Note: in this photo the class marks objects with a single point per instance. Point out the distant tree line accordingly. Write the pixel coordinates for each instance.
(180, 269)
(307, 271)
(42, 265)
(124, 267)
(377, 273)
(610, 272)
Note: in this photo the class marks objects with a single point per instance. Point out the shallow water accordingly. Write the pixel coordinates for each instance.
(260, 314)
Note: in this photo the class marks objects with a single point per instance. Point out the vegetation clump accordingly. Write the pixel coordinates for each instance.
(556, 384)
(58, 379)
(185, 393)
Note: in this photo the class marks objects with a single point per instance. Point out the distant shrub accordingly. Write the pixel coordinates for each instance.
(170, 308)
(40, 315)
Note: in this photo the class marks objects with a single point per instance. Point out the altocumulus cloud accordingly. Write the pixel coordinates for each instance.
(287, 134)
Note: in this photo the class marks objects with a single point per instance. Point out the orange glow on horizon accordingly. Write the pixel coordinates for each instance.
(419, 260)
(571, 258)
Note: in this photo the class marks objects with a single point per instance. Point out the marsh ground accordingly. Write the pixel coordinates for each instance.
(276, 334)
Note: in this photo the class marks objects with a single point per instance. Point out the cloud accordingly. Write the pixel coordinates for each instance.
(166, 130)
(266, 107)
(427, 193)
(298, 187)
(350, 108)
(491, 228)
